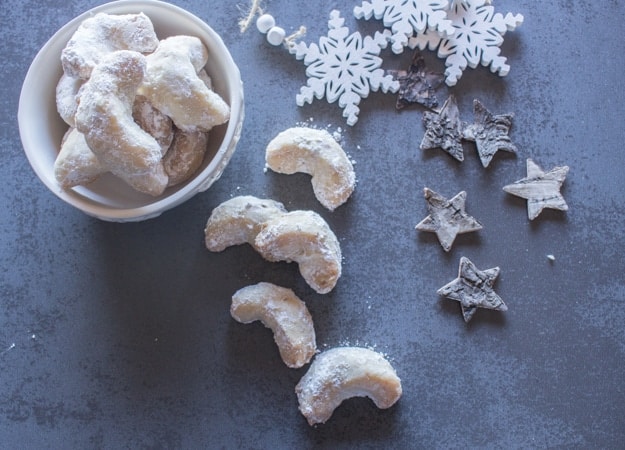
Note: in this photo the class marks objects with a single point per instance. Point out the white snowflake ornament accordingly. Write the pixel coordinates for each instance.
(478, 35)
(453, 3)
(407, 17)
(343, 67)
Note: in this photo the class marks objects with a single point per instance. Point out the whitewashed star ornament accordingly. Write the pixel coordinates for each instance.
(540, 189)
(343, 67)
(444, 129)
(447, 218)
(473, 289)
(418, 84)
(490, 132)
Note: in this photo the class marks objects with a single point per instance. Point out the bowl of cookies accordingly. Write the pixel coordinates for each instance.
(130, 109)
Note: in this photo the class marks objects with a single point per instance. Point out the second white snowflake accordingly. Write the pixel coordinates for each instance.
(407, 17)
(478, 35)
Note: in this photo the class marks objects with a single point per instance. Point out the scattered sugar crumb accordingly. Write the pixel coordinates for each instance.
(550, 257)
(337, 134)
(10, 347)
(305, 123)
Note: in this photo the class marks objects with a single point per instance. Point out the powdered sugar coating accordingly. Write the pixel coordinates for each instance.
(345, 372)
(76, 164)
(238, 221)
(306, 238)
(172, 85)
(278, 235)
(67, 98)
(286, 314)
(315, 152)
(150, 119)
(105, 33)
(104, 116)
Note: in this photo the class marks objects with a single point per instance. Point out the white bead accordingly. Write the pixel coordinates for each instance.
(276, 35)
(265, 22)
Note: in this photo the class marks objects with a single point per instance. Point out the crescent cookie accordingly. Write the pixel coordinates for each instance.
(67, 98)
(76, 164)
(281, 310)
(104, 116)
(345, 372)
(303, 237)
(102, 34)
(185, 155)
(238, 221)
(172, 85)
(157, 124)
(315, 152)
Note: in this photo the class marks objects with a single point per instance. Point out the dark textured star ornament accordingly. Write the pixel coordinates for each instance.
(447, 218)
(417, 84)
(541, 189)
(490, 132)
(444, 129)
(473, 289)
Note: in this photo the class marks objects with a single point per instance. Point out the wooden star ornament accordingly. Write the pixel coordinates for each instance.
(444, 129)
(473, 289)
(490, 132)
(417, 84)
(447, 218)
(540, 189)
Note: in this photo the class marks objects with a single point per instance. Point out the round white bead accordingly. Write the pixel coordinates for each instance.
(276, 35)
(265, 22)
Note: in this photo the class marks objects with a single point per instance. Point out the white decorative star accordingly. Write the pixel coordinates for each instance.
(473, 289)
(343, 67)
(541, 189)
(447, 218)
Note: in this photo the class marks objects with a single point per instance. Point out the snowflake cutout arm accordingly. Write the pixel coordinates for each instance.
(478, 35)
(407, 17)
(343, 67)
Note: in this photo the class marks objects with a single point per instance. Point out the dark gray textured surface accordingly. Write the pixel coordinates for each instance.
(119, 335)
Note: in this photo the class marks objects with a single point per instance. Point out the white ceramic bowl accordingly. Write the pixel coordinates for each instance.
(109, 198)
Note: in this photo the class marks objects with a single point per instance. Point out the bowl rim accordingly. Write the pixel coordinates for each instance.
(200, 182)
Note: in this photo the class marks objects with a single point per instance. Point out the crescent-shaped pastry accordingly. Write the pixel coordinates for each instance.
(345, 372)
(303, 237)
(238, 221)
(104, 116)
(103, 34)
(315, 152)
(281, 310)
